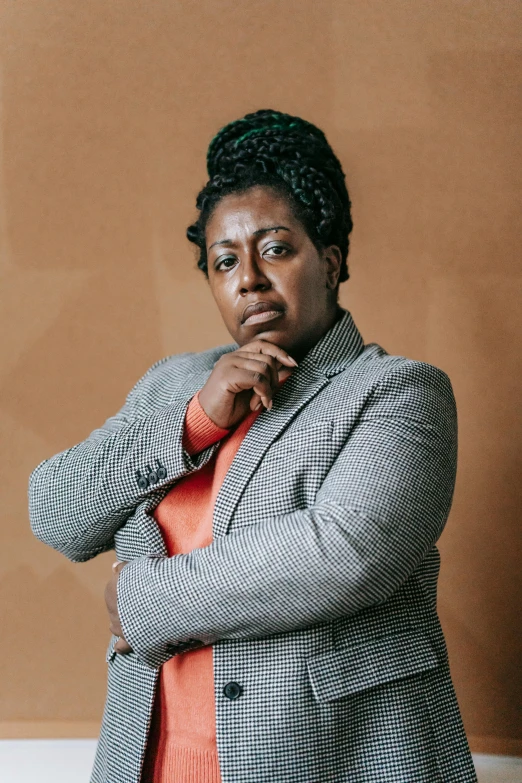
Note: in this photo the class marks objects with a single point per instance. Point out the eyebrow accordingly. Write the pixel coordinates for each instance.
(257, 233)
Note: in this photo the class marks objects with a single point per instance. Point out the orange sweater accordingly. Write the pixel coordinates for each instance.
(182, 743)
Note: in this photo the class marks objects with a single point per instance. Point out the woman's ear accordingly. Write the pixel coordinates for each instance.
(333, 260)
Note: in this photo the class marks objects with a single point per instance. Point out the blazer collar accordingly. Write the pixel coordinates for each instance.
(337, 348)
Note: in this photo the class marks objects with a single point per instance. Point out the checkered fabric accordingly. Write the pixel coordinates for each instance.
(318, 592)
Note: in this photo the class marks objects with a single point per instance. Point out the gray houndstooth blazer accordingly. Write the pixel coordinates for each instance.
(318, 592)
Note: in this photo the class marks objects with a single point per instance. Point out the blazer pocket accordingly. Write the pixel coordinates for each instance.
(301, 438)
(353, 669)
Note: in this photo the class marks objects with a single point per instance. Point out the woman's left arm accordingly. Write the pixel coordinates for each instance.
(381, 508)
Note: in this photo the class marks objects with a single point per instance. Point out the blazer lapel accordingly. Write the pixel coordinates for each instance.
(338, 348)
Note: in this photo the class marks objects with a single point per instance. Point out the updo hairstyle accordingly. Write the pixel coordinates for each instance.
(293, 157)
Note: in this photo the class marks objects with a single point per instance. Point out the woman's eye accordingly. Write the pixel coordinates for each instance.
(227, 262)
(277, 250)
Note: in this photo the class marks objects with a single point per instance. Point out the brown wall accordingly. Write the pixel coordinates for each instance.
(106, 111)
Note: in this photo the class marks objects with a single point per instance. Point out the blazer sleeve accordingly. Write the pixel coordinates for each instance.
(79, 498)
(381, 508)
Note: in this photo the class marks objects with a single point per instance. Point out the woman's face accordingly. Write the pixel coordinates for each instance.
(260, 254)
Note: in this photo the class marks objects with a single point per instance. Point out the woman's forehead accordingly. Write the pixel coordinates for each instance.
(250, 211)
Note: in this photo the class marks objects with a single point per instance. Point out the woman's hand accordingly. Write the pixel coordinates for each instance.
(241, 380)
(121, 645)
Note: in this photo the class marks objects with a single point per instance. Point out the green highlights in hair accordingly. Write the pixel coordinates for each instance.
(275, 127)
(273, 122)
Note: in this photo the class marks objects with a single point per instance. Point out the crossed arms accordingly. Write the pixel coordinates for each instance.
(379, 511)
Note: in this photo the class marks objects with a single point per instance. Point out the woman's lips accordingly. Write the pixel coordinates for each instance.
(267, 315)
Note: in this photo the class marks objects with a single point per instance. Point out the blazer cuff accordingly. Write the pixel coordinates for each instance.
(133, 587)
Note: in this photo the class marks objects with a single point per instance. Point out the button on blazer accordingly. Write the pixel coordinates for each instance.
(318, 592)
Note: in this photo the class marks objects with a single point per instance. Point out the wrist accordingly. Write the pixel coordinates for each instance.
(209, 411)
(200, 430)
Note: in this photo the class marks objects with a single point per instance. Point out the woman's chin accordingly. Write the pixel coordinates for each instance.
(272, 334)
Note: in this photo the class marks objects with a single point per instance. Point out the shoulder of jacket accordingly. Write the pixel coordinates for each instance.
(375, 367)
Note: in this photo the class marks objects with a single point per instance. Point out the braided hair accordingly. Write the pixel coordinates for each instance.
(293, 157)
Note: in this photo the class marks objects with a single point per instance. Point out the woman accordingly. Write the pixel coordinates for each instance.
(274, 505)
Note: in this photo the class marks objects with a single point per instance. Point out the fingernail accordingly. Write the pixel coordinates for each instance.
(258, 406)
(269, 406)
(293, 361)
(115, 565)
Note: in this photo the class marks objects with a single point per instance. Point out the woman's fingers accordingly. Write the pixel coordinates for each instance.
(263, 366)
(262, 346)
(256, 400)
(284, 374)
(122, 646)
(241, 379)
(256, 376)
(268, 369)
(270, 353)
(266, 363)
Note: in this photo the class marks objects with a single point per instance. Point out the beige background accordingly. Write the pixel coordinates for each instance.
(106, 111)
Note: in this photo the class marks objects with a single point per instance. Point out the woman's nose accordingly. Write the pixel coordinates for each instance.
(252, 276)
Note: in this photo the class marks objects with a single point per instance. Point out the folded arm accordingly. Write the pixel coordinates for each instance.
(379, 511)
(79, 498)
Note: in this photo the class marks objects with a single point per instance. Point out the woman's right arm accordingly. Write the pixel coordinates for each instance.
(80, 497)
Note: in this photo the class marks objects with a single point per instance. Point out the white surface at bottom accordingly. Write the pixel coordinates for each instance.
(70, 761)
(46, 760)
(498, 769)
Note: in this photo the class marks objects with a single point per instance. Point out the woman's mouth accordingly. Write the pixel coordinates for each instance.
(267, 315)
